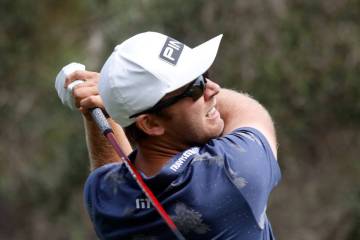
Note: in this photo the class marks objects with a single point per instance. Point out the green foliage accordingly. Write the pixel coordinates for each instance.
(299, 58)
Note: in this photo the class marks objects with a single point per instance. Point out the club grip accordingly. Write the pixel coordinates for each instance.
(100, 120)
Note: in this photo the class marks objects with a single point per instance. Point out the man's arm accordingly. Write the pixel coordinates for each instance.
(100, 150)
(241, 110)
(86, 96)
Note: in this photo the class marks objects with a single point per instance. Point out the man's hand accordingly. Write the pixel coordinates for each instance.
(86, 94)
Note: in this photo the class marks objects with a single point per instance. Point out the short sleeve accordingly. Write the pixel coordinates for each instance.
(104, 197)
(250, 165)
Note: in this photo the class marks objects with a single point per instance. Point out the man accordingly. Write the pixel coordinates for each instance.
(207, 153)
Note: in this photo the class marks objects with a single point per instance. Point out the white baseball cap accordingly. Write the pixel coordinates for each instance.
(147, 66)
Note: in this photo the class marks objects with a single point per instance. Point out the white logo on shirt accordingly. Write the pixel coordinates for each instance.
(178, 163)
(142, 203)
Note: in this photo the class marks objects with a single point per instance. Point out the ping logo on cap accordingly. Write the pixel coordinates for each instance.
(171, 51)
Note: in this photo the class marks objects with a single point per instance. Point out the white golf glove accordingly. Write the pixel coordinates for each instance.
(65, 94)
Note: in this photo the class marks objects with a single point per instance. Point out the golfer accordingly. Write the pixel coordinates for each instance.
(207, 153)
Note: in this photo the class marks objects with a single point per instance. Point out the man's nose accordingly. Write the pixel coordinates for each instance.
(211, 89)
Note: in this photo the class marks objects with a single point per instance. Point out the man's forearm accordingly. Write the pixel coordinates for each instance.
(241, 110)
(100, 151)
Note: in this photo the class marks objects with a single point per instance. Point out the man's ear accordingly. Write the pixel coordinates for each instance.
(150, 125)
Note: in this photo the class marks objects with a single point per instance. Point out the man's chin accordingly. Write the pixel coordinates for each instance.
(220, 129)
(216, 133)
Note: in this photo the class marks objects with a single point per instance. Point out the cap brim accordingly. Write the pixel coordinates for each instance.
(196, 62)
(202, 57)
(207, 52)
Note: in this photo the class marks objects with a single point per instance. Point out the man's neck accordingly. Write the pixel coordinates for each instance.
(153, 155)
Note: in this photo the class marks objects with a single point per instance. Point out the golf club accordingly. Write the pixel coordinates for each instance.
(107, 131)
(98, 116)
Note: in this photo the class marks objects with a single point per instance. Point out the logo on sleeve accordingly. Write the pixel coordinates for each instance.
(171, 51)
(142, 203)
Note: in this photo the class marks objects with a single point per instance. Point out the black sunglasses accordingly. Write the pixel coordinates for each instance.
(195, 90)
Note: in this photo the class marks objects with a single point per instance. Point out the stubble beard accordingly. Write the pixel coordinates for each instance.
(198, 138)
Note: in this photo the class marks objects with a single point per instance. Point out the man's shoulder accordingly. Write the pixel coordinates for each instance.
(241, 136)
(249, 133)
(108, 173)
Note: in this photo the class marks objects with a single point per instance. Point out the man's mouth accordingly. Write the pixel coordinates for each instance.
(211, 112)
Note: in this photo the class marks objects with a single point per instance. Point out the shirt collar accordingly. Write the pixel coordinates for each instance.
(172, 169)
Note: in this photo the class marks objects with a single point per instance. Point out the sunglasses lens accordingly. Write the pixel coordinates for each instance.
(196, 93)
(197, 89)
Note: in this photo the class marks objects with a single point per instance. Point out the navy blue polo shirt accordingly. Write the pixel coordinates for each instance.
(216, 191)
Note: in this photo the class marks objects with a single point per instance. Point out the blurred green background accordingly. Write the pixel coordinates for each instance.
(299, 58)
